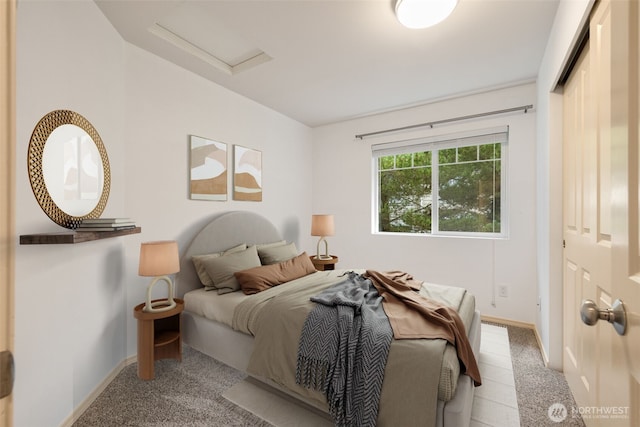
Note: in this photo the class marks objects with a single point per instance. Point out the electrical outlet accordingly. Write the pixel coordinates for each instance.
(503, 291)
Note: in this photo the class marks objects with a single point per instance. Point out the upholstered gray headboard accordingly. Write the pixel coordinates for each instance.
(223, 232)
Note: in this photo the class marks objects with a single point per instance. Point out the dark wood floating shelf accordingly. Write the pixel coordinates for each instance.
(73, 236)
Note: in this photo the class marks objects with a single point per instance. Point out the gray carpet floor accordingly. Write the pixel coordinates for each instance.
(190, 393)
(187, 393)
(537, 386)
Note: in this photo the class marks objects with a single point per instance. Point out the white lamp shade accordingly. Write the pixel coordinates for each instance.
(159, 258)
(423, 13)
(322, 225)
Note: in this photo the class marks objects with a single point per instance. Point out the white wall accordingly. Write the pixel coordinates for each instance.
(570, 18)
(69, 300)
(163, 109)
(342, 185)
(74, 303)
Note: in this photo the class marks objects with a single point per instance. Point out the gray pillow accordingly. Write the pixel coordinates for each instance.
(276, 254)
(270, 245)
(200, 262)
(221, 268)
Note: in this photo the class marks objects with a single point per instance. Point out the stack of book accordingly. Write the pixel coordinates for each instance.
(106, 224)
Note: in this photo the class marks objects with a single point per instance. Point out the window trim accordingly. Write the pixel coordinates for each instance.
(440, 142)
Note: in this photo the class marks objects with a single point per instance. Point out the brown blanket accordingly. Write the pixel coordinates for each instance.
(413, 316)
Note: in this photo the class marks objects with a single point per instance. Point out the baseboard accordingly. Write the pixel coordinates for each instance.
(78, 411)
(545, 358)
(519, 324)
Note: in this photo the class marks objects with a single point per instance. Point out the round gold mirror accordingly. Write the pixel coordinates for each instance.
(68, 168)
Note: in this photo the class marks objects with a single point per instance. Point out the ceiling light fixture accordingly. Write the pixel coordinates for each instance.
(423, 13)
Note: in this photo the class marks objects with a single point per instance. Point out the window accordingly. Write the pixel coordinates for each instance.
(449, 185)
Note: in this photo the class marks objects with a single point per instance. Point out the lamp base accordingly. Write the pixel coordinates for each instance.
(326, 250)
(159, 305)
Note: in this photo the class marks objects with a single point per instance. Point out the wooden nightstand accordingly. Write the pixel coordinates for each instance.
(159, 337)
(324, 264)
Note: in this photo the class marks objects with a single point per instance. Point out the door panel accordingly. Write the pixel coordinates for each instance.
(601, 223)
(621, 379)
(7, 186)
(581, 220)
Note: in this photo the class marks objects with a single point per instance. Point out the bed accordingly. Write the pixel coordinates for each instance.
(208, 326)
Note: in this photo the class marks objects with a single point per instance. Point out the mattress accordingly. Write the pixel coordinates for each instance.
(220, 308)
(212, 306)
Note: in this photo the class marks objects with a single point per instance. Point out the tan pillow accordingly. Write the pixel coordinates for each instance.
(221, 269)
(258, 279)
(276, 254)
(199, 261)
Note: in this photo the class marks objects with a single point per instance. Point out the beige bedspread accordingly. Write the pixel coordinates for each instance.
(275, 317)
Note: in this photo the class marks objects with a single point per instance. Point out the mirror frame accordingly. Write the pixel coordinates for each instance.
(39, 137)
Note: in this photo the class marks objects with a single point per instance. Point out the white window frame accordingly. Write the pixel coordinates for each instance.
(440, 142)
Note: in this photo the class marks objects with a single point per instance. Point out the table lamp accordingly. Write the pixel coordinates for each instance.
(322, 225)
(158, 260)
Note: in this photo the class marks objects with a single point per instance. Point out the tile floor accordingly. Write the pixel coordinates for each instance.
(495, 402)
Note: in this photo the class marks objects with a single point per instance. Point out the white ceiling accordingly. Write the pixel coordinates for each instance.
(323, 61)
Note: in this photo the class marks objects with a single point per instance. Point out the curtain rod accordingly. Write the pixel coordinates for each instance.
(439, 122)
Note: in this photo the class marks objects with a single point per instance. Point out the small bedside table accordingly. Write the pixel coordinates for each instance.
(159, 337)
(324, 264)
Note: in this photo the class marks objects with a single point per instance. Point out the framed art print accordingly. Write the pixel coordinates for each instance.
(247, 174)
(208, 177)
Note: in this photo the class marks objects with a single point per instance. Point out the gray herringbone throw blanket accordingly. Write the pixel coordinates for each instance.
(343, 350)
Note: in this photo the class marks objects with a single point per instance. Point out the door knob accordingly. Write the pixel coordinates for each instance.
(590, 314)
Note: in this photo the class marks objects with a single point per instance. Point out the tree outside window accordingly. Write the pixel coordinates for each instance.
(446, 190)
